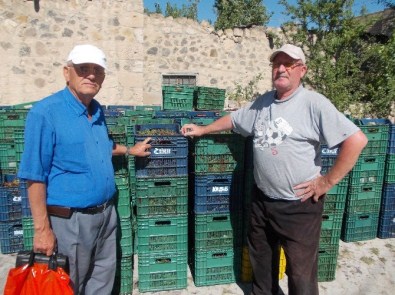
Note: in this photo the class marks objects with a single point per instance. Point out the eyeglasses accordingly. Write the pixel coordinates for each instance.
(85, 70)
(287, 65)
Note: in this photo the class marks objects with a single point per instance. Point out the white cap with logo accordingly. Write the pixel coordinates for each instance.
(82, 54)
(293, 51)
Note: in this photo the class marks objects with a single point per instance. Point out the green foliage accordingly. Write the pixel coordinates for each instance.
(240, 13)
(245, 93)
(345, 65)
(188, 11)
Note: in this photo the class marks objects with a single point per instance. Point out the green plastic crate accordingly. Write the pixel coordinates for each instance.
(8, 155)
(148, 206)
(331, 229)
(162, 271)
(359, 226)
(215, 267)
(219, 144)
(28, 232)
(361, 175)
(163, 234)
(178, 97)
(335, 203)
(123, 284)
(163, 186)
(125, 237)
(363, 198)
(327, 262)
(374, 129)
(340, 188)
(209, 98)
(123, 201)
(217, 231)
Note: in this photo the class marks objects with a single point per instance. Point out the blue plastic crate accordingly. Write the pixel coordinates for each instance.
(11, 236)
(386, 228)
(10, 203)
(327, 152)
(171, 114)
(141, 129)
(388, 197)
(161, 167)
(205, 114)
(218, 193)
(391, 139)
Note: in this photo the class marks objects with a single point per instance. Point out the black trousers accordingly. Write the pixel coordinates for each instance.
(295, 226)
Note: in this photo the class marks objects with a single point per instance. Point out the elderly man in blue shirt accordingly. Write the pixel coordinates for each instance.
(67, 164)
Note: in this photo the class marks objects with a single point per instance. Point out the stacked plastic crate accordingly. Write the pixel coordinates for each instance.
(365, 185)
(162, 208)
(387, 211)
(12, 123)
(217, 162)
(217, 213)
(116, 124)
(178, 97)
(334, 206)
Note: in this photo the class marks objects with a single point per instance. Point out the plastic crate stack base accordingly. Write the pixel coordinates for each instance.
(11, 231)
(162, 209)
(334, 206)
(386, 228)
(363, 201)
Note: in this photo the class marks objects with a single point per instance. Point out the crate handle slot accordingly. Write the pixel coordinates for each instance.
(325, 217)
(162, 222)
(163, 260)
(373, 129)
(220, 254)
(220, 218)
(364, 217)
(162, 183)
(367, 189)
(370, 160)
(220, 180)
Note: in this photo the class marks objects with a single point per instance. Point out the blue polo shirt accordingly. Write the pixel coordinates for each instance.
(67, 152)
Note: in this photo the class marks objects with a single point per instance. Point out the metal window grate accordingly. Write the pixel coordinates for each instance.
(188, 80)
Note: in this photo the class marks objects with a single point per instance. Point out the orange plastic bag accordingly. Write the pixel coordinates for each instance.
(38, 279)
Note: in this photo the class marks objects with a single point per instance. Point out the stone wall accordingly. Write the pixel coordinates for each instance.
(35, 41)
(218, 59)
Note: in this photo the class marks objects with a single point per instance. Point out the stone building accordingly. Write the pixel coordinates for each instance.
(143, 51)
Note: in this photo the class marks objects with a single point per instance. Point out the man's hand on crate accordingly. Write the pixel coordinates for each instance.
(141, 149)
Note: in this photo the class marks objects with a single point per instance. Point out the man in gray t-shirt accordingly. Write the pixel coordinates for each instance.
(288, 125)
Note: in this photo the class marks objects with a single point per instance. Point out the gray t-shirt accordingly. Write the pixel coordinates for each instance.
(287, 135)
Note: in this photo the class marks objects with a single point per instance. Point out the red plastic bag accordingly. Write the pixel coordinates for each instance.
(37, 279)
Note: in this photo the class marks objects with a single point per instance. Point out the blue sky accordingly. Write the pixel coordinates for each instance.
(206, 10)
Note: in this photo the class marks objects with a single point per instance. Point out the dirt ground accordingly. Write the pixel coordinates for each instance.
(363, 268)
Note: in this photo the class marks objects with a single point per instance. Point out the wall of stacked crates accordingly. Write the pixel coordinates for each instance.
(188, 203)
(16, 225)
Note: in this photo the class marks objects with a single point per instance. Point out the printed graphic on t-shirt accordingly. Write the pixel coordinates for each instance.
(275, 133)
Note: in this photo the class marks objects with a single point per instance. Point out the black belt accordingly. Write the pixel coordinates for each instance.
(66, 212)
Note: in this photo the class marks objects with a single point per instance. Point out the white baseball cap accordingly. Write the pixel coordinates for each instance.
(293, 51)
(82, 54)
